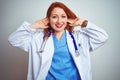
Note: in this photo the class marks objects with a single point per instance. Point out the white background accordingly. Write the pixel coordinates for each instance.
(104, 13)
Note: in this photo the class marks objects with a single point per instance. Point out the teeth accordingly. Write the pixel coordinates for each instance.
(59, 25)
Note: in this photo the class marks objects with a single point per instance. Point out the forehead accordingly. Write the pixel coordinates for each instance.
(58, 11)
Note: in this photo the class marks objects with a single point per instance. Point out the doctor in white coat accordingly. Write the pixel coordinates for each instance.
(58, 51)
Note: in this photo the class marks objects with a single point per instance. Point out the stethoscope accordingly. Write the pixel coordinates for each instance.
(74, 43)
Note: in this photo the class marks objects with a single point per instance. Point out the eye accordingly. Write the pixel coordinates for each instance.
(63, 16)
(54, 16)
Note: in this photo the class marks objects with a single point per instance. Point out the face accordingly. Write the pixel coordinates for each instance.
(58, 19)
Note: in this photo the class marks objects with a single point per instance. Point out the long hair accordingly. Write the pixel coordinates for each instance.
(69, 13)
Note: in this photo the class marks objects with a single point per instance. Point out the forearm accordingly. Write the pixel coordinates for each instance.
(22, 36)
(97, 36)
(40, 24)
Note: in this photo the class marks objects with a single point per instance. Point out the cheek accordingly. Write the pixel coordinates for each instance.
(65, 20)
(52, 22)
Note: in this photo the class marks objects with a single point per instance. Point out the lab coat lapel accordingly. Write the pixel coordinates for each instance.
(48, 50)
(77, 59)
(46, 58)
(70, 44)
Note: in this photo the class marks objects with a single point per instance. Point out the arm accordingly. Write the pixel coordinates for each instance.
(23, 35)
(96, 36)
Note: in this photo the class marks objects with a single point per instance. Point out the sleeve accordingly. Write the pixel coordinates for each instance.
(21, 38)
(96, 35)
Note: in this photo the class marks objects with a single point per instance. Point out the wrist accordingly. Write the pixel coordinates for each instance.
(35, 26)
(84, 23)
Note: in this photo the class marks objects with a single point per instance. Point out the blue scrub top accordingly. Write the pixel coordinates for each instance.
(62, 67)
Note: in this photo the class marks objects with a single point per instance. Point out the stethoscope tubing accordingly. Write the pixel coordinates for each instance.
(74, 43)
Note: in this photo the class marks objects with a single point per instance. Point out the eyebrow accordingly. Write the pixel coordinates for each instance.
(56, 14)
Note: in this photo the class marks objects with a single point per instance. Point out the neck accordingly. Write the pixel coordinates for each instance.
(59, 34)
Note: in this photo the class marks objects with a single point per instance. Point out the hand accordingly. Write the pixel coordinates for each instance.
(73, 22)
(76, 22)
(40, 24)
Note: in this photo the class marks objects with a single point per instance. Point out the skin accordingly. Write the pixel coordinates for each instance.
(58, 21)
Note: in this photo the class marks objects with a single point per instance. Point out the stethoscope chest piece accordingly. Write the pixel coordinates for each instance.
(77, 53)
(75, 45)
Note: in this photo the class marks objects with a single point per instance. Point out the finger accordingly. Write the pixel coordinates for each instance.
(45, 21)
(70, 20)
(71, 24)
(76, 19)
(46, 27)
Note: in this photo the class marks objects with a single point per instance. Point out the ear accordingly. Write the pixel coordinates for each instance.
(69, 21)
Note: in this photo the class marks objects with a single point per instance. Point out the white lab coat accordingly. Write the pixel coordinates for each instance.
(30, 40)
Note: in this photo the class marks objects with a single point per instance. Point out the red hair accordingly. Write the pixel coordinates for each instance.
(68, 12)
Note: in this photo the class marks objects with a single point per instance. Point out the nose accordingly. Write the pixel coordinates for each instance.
(59, 20)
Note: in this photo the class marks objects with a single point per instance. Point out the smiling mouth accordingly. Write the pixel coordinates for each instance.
(59, 26)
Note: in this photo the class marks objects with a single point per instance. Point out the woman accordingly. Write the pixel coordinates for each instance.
(56, 50)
